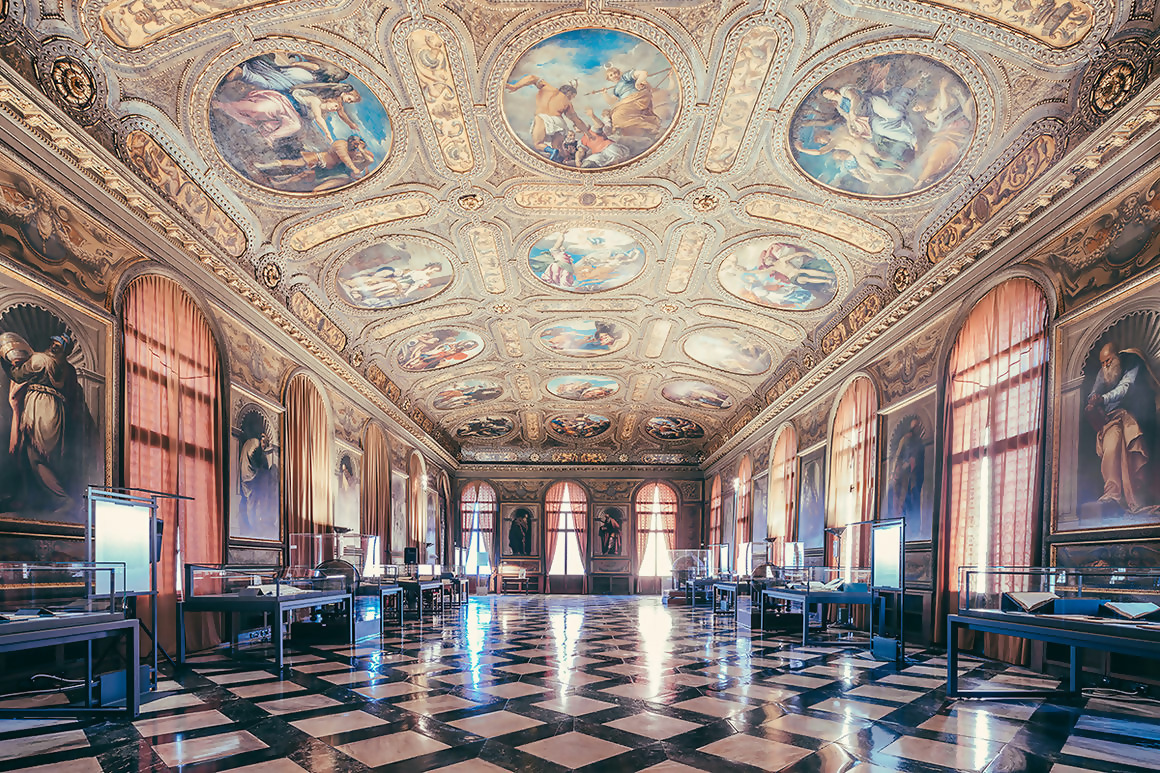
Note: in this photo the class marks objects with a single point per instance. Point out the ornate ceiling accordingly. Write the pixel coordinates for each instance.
(567, 232)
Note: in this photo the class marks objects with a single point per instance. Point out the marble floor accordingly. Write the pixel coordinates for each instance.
(550, 683)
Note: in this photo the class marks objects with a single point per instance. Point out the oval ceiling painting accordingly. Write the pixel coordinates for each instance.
(581, 425)
(779, 275)
(464, 394)
(295, 123)
(439, 349)
(584, 337)
(890, 125)
(394, 272)
(586, 260)
(729, 351)
(697, 394)
(591, 99)
(673, 428)
(583, 387)
(485, 427)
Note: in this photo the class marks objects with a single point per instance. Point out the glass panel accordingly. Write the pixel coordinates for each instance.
(1126, 597)
(30, 591)
(223, 580)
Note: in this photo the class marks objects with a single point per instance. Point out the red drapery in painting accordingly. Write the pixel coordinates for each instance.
(173, 434)
(744, 531)
(853, 478)
(308, 468)
(995, 399)
(715, 517)
(781, 520)
(666, 505)
(554, 527)
(375, 496)
(477, 505)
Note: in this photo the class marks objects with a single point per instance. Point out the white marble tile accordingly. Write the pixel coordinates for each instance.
(395, 747)
(758, 752)
(331, 724)
(495, 724)
(66, 740)
(573, 750)
(187, 751)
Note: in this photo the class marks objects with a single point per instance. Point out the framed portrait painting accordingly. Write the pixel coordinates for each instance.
(908, 464)
(255, 472)
(812, 498)
(520, 531)
(608, 537)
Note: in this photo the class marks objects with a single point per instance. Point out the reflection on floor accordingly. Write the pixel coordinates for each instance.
(594, 683)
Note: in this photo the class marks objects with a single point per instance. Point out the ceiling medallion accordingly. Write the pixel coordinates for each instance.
(356, 358)
(501, 308)
(73, 82)
(485, 427)
(394, 271)
(471, 202)
(585, 337)
(583, 387)
(730, 351)
(591, 99)
(293, 123)
(673, 428)
(271, 275)
(580, 425)
(705, 202)
(1114, 87)
(465, 394)
(903, 277)
(438, 349)
(890, 125)
(668, 307)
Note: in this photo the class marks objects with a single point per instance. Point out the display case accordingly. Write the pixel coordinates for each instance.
(816, 578)
(688, 565)
(1124, 597)
(48, 595)
(335, 552)
(720, 560)
(206, 580)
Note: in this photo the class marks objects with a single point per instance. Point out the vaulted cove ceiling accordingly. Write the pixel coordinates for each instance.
(608, 232)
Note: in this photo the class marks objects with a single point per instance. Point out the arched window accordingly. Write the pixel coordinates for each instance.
(743, 532)
(375, 497)
(853, 475)
(478, 508)
(781, 518)
(173, 430)
(566, 509)
(995, 404)
(308, 471)
(656, 528)
(417, 503)
(716, 533)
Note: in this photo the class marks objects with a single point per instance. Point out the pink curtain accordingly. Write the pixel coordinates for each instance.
(478, 500)
(853, 479)
(715, 517)
(308, 469)
(554, 523)
(417, 500)
(744, 531)
(375, 494)
(173, 430)
(781, 519)
(995, 399)
(666, 503)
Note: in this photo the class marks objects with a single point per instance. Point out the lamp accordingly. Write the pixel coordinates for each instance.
(836, 532)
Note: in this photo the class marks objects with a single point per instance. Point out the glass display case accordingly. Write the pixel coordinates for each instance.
(204, 580)
(362, 552)
(1089, 595)
(818, 578)
(689, 565)
(60, 591)
(720, 560)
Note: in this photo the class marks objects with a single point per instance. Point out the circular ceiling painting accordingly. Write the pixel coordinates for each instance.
(439, 349)
(887, 126)
(697, 394)
(394, 272)
(729, 351)
(485, 427)
(581, 425)
(464, 394)
(779, 275)
(591, 98)
(586, 260)
(673, 428)
(584, 337)
(294, 123)
(583, 387)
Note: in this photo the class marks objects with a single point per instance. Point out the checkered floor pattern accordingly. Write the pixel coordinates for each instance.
(610, 684)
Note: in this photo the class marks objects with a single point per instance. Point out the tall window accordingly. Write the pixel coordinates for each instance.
(995, 395)
(173, 429)
(417, 503)
(781, 518)
(308, 460)
(656, 524)
(744, 531)
(375, 494)
(477, 513)
(567, 508)
(716, 533)
(853, 475)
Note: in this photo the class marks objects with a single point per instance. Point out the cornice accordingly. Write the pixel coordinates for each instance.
(42, 122)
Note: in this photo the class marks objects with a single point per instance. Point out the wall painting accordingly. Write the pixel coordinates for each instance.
(586, 260)
(779, 275)
(396, 271)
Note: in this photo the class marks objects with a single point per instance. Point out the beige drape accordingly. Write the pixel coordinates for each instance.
(308, 470)
(375, 496)
(851, 495)
(417, 505)
(781, 517)
(716, 520)
(744, 517)
(173, 434)
(554, 527)
(478, 507)
(995, 399)
(666, 505)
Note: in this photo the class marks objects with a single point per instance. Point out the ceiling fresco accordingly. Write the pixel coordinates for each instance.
(504, 214)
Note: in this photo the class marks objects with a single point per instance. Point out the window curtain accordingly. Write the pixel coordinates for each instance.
(375, 496)
(477, 511)
(781, 519)
(995, 397)
(715, 519)
(417, 511)
(853, 476)
(655, 497)
(553, 518)
(173, 430)
(308, 468)
(744, 531)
